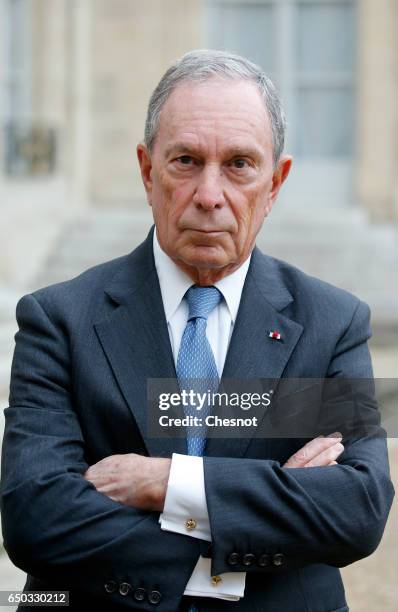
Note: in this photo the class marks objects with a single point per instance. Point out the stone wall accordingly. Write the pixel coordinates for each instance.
(132, 44)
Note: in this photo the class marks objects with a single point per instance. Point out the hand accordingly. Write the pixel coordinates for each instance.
(132, 480)
(319, 452)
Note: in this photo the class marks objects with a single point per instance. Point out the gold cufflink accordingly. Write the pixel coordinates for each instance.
(216, 580)
(190, 524)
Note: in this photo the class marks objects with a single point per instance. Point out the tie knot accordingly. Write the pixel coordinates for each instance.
(202, 300)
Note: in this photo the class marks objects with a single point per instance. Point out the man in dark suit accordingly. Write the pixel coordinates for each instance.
(91, 503)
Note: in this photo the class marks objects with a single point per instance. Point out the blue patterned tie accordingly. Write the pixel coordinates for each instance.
(196, 368)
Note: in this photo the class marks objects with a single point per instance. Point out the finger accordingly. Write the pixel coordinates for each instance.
(115, 498)
(107, 488)
(327, 456)
(92, 473)
(105, 463)
(93, 469)
(99, 478)
(310, 450)
(88, 475)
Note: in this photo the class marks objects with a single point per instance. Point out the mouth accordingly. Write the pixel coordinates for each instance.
(207, 231)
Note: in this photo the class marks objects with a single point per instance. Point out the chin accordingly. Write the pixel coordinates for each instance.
(207, 265)
(209, 262)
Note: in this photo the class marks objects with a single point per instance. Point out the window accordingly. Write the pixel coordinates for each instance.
(29, 148)
(307, 47)
(18, 56)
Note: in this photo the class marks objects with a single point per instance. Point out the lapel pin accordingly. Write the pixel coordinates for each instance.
(274, 335)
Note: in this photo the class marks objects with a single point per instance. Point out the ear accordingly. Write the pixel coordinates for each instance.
(280, 175)
(144, 159)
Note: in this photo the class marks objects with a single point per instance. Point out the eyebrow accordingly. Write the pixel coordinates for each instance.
(179, 147)
(242, 151)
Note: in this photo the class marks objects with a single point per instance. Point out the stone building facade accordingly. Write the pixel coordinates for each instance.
(83, 70)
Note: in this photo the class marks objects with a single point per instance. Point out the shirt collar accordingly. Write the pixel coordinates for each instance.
(174, 282)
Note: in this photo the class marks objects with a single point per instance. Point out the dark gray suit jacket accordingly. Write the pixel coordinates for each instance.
(84, 351)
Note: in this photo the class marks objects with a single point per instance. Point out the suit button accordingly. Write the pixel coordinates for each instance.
(248, 559)
(264, 560)
(278, 559)
(154, 597)
(124, 588)
(233, 558)
(139, 594)
(110, 586)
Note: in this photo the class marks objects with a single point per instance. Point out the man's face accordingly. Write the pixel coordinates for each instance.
(210, 178)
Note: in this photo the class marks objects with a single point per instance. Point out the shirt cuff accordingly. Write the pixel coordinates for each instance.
(229, 586)
(185, 507)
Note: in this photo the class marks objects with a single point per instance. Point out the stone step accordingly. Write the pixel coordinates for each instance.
(341, 247)
(7, 344)
(9, 297)
(5, 369)
(7, 332)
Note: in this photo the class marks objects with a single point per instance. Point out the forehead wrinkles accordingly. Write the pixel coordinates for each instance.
(227, 108)
(213, 119)
(214, 131)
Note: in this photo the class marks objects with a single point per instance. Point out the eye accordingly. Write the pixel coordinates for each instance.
(239, 163)
(185, 160)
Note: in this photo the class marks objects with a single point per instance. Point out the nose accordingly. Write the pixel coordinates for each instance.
(209, 193)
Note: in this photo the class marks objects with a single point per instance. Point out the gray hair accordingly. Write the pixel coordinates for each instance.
(203, 64)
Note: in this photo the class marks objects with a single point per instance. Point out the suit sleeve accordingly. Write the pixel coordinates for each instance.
(284, 518)
(55, 524)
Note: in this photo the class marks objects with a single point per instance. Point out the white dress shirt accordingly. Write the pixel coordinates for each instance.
(185, 496)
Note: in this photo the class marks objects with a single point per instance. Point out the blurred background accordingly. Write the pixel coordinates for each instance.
(75, 79)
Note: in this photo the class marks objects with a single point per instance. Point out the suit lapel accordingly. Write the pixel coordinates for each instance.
(252, 354)
(136, 342)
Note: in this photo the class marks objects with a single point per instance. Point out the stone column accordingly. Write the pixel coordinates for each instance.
(79, 76)
(377, 104)
(49, 95)
(49, 53)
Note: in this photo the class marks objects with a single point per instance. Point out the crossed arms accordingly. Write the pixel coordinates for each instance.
(141, 482)
(62, 517)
